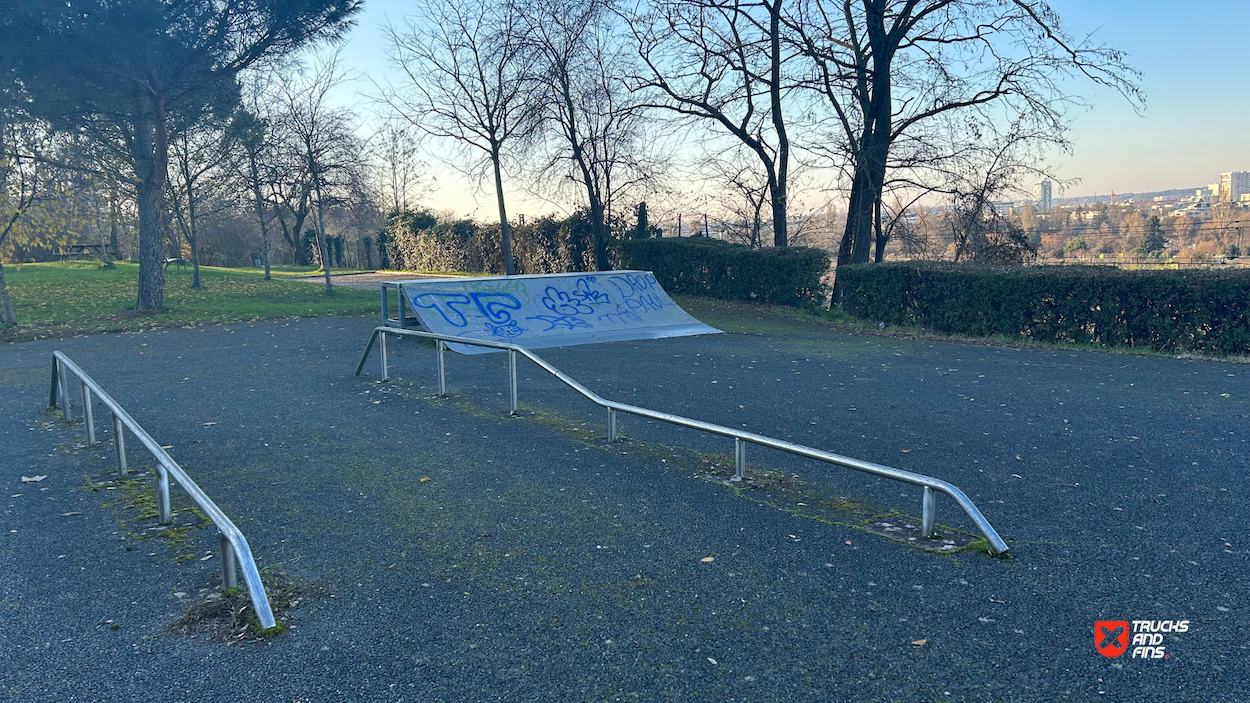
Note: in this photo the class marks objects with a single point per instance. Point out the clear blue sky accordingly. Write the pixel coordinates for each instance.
(1192, 56)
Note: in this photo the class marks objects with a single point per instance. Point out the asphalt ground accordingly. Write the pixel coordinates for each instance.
(538, 563)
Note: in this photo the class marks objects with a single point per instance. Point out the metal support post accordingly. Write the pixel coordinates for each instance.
(66, 414)
(385, 371)
(162, 494)
(55, 390)
(119, 444)
(440, 346)
(927, 515)
(88, 415)
(740, 459)
(385, 300)
(401, 313)
(611, 424)
(229, 564)
(512, 382)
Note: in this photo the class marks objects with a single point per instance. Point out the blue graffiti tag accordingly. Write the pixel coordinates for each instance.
(495, 306)
(576, 302)
(554, 321)
(621, 316)
(507, 330)
(445, 305)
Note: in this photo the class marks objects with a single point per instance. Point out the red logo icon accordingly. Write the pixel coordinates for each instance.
(1111, 637)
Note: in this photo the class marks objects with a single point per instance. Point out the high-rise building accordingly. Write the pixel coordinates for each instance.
(1041, 195)
(1233, 184)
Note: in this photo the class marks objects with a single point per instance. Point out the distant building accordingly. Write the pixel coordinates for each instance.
(1041, 195)
(1233, 184)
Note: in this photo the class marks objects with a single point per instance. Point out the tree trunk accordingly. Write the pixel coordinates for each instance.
(599, 229)
(879, 255)
(320, 230)
(260, 210)
(503, 214)
(778, 188)
(150, 175)
(191, 236)
(151, 247)
(8, 318)
(781, 237)
(869, 180)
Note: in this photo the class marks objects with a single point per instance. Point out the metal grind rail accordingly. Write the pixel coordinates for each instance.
(741, 438)
(235, 554)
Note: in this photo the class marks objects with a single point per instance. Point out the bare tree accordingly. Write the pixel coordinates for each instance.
(20, 189)
(402, 178)
(592, 127)
(253, 137)
(466, 68)
(980, 231)
(198, 151)
(745, 201)
(725, 63)
(325, 140)
(892, 70)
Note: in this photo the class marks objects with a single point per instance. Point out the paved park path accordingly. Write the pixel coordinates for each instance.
(365, 279)
(537, 563)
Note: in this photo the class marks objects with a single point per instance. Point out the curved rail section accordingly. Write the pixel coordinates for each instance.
(741, 439)
(235, 554)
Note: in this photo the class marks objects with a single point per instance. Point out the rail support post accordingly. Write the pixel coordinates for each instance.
(119, 444)
(66, 415)
(439, 347)
(740, 459)
(512, 399)
(611, 425)
(88, 416)
(55, 391)
(927, 515)
(229, 564)
(385, 375)
(162, 494)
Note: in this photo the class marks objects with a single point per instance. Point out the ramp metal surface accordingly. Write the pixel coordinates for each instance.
(548, 310)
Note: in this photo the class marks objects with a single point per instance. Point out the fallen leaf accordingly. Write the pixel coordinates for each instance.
(209, 424)
(167, 446)
(68, 514)
(919, 643)
(34, 479)
(1016, 476)
(904, 451)
(848, 541)
(424, 479)
(711, 660)
(1019, 458)
(708, 560)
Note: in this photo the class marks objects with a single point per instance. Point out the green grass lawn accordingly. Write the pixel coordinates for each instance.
(64, 299)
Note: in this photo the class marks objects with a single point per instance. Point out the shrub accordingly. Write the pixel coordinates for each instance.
(417, 242)
(704, 266)
(1170, 311)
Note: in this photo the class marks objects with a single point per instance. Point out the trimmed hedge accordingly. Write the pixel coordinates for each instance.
(1168, 311)
(705, 266)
